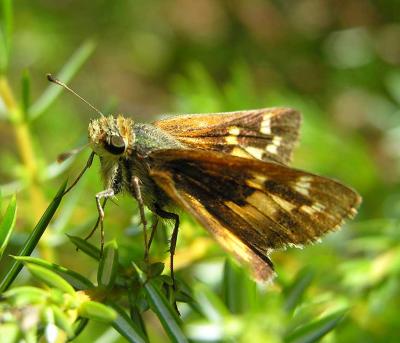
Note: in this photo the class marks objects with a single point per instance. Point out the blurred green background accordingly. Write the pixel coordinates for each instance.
(336, 61)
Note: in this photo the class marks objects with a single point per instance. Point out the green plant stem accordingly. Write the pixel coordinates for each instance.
(25, 148)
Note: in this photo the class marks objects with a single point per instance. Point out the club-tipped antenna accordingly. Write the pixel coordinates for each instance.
(51, 78)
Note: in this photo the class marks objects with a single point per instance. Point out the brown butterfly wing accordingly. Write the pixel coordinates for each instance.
(250, 206)
(264, 134)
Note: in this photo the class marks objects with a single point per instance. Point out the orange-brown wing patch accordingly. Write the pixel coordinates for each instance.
(264, 134)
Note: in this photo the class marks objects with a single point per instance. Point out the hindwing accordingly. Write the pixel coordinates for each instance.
(250, 206)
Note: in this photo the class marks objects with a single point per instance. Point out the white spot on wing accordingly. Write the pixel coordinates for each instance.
(307, 209)
(277, 140)
(234, 131)
(273, 149)
(286, 205)
(303, 185)
(314, 208)
(231, 140)
(256, 152)
(262, 202)
(265, 126)
(240, 152)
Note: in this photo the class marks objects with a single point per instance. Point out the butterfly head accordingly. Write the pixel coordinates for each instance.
(111, 136)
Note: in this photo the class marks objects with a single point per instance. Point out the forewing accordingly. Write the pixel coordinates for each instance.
(252, 207)
(264, 134)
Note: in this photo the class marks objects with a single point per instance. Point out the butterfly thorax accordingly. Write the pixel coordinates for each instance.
(148, 138)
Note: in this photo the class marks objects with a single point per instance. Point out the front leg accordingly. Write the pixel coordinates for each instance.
(96, 225)
(87, 166)
(102, 195)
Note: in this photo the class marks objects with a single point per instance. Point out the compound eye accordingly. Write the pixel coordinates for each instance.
(115, 145)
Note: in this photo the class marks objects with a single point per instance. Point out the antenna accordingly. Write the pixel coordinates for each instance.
(51, 78)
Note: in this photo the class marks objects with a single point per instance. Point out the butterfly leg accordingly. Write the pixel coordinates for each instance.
(139, 198)
(153, 229)
(104, 194)
(87, 166)
(174, 237)
(96, 225)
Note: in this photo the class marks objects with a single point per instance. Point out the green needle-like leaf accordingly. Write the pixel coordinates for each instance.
(7, 224)
(108, 266)
(155, 269)
(26, 296)
(126, 327)
(238, 290)
(85, 246)
(66, 74)
(296, 290)
(33, 239)
(76, 280)
(313, 332)
(50, 278)
(62, 321)
(165, 313)
(97, 311)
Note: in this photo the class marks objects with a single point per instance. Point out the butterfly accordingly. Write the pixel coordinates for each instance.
(229, 171)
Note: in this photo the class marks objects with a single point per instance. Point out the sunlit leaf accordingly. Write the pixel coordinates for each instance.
(76, 280)
(108, 266)
(7, 224)
(97, 311)
(49, 278)
(62, 321)
(25, 296)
